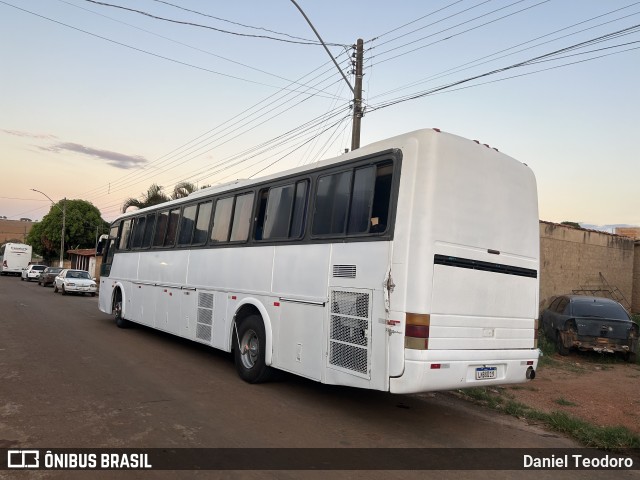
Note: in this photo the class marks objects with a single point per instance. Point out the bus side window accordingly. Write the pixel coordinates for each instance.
(299, 214)
(124, 236)
(148, 231)
(262, 209)
(161, 229)
(361, 200)
(202, 223)
(138, 231)
(172, 228)
(187, 224)
(221, 220)
(278, 215)
(381, 198)
(242, 217)
(332, 204)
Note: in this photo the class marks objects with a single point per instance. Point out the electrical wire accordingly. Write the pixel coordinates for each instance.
(177, 42)
(173, 60)
(232, 22)
(530, 61)
(192, 24)
(477, 62)
(456, 34)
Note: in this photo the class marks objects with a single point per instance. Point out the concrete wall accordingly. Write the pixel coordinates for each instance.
(635, 304)
(572, 258)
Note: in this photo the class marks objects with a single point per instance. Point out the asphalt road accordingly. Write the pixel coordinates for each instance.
(70, 378)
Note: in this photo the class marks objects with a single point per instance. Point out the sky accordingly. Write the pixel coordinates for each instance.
(99, 102)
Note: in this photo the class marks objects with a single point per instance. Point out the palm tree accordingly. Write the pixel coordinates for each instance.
(183, 189)
(153, 196)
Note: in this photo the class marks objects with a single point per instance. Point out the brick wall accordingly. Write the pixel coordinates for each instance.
(571, 258)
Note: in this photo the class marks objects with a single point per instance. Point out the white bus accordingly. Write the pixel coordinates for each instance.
(409, 265)
(14, 257)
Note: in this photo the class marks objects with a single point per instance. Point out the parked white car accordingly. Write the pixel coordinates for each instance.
(32, 272)
(74, 281)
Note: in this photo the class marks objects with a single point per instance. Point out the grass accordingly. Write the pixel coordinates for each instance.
(565, 403)
(605, 438)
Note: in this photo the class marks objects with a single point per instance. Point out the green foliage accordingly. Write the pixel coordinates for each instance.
(565, 403)
(155, 195)
(571, 224)
(81, 221)
(607, 438)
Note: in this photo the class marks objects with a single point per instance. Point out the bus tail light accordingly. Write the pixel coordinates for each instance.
(416, 333)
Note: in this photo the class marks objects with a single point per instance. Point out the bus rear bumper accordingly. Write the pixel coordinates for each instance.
(426, 371)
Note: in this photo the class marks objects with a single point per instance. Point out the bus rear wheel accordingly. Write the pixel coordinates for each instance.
(121, 322)
(249, 353)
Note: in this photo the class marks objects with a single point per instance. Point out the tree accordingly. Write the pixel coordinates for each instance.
(82, 219)
(571, 224)
(183, 189)
(153, 196)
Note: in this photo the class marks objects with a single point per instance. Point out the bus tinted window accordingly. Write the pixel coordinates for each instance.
(332, 203)
(221, 220)
(138, 232)
(124, 236)
(242, 217)
(202, 223)
(381, 198)
(361, 200)
(279, 205)
(148, 230)
(172, 228)
(299, 210)
(161, 229)
(186, 225)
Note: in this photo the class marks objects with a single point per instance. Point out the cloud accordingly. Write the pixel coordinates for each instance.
(115, 159)
(40, 136)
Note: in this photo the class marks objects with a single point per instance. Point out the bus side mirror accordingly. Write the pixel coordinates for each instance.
(101, 243)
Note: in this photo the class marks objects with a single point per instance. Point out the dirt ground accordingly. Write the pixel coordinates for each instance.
(601, 390)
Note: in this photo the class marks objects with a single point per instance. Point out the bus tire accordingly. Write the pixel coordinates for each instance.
(121, 322)
(249, 353)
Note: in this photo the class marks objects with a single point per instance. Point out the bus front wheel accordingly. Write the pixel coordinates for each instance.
(249, 353)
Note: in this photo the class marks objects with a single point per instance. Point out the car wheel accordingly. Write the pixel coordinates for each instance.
(249, 353)
(562, 350)
(64, 292)
(21, 278)
(630, 357)
(93, 294)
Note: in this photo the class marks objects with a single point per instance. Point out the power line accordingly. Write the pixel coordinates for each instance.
(232, 22)
(193, 154)
(530, 61)
(414, 21)
(456, 34)
(440, 21)
(477, 62)
(173, 60)
(182, 43)
(192, 24)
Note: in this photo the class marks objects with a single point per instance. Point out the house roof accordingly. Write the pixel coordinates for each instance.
(83, 252)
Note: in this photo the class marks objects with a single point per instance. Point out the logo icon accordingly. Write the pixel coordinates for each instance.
(23, 458)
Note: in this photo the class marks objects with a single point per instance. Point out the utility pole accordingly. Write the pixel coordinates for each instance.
(357, 98)
(357, 91)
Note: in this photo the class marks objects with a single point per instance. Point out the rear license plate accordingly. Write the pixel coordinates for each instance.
(486, 373)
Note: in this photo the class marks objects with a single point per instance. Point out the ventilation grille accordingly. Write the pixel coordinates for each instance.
(350, 331)
(344, 271)
(205, 317)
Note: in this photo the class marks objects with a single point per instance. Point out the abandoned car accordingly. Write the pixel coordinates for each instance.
(590, 323)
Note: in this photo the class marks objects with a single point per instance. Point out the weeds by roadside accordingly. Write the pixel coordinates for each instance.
(606, 438)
